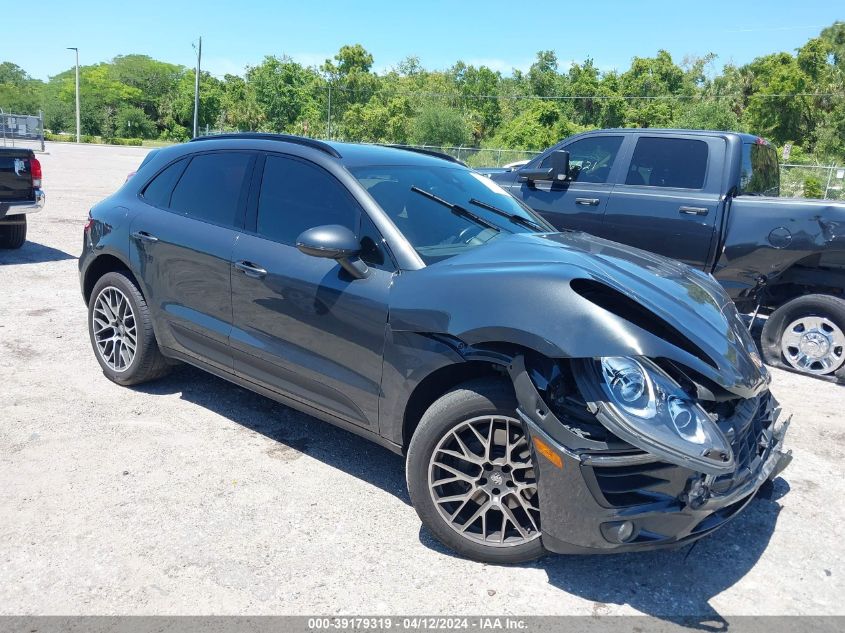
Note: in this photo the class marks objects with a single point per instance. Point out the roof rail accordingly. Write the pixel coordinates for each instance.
(264, 136)
(428, 152)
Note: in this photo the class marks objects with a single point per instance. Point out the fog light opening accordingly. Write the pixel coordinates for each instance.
(618, 532)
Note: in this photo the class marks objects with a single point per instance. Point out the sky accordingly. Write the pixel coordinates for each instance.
(501, 34)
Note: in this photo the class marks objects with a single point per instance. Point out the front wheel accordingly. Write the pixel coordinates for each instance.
(471, 477)
(807, 335)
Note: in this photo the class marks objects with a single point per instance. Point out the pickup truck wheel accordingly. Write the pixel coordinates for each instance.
(13, 232)
(471, 478)
(807, 335)
(121, 332)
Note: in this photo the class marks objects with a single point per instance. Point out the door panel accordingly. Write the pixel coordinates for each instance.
(186, 276)
(308, 330)
(302, 325)
(181, 243)
(668, 200)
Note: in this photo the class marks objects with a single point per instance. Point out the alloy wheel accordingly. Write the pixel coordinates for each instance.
(813, 344)
(114, 327)
(483, 484)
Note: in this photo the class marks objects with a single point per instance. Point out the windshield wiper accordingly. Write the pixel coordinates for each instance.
(456, 209)
(513, 217)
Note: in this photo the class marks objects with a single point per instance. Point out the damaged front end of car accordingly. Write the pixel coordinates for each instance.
(646, 402)
(635, 453)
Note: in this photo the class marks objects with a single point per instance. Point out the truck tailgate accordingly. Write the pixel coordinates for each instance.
(15, 175)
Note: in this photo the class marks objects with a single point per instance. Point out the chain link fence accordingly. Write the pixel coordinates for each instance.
(813, 181)
(22, 130)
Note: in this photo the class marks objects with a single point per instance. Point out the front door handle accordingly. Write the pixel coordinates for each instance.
(693, 211)
(251, 270)
(587, 202)
(144, 237)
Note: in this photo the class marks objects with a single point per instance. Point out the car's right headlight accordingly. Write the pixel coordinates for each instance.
(647, 408)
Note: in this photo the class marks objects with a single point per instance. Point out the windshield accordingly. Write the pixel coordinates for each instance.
(443, 211)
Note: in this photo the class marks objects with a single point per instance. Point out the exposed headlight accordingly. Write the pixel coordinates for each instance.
(648, 409)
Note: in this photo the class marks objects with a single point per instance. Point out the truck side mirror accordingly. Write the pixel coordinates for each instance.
(558, 170)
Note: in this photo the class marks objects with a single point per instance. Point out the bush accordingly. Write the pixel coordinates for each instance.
(813, 187)
(88, 138)
(124, 141)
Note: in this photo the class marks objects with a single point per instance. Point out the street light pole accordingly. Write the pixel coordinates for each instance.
(72, 48)
(197, 89)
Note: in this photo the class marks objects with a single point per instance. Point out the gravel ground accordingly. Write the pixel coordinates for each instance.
(193, 496)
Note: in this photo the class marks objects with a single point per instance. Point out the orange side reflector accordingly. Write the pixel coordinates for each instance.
(546, 451)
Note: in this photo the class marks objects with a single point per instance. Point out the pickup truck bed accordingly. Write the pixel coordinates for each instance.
(20, 193)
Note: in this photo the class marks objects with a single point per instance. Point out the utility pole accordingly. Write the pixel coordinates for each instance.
(73, 48)
(329, 122)
(197, 89)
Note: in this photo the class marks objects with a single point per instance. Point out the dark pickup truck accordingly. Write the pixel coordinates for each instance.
(20, 193)
(709, 199)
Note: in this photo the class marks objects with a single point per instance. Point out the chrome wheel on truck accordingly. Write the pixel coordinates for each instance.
(807, 335)
(813, 344)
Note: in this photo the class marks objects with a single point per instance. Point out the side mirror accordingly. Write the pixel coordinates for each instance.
(333, 241)
(558, 171)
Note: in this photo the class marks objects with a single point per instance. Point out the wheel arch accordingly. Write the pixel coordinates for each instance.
(491, 359)
(101, 265)
(806, 276)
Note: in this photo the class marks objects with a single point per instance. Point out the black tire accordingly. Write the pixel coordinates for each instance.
(148, 363)
(13, 232)
(470, 400)
(826, 306)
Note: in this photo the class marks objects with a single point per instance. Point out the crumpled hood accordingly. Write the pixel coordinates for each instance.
(519, 289)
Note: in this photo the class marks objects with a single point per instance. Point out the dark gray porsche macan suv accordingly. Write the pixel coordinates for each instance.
(552, 391)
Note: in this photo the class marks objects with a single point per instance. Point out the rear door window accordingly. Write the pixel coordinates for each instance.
(158, 191)
(212, 189)
(760, 171)
(296, 196)
(668, 162)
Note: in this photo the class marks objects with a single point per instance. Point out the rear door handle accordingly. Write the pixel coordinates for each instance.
(587, 202)
(144, 236)
(251, 270)
(693, 211)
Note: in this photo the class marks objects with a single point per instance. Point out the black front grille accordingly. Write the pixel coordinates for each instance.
(749, 431)
(625, 486)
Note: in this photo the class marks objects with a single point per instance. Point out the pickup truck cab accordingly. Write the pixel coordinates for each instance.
(710, 200)
(20, 193)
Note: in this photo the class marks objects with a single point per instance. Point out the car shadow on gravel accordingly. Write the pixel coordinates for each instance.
(33, 253)
(673, 585)
(294, 431)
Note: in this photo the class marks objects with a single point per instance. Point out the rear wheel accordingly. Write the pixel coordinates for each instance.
(807, 335)
(121, 331)
(13, 231)
(471, 477)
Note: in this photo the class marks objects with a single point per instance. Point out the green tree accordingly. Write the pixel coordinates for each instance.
(19, 93)
(285, 91)
(441, 126)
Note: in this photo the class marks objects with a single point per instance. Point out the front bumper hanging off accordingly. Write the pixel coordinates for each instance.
(595, 502)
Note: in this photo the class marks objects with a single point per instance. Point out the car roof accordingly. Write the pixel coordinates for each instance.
(746, 138)
(347, 154)
(361, 154)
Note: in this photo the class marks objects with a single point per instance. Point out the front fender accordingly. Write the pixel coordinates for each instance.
(535, 307)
